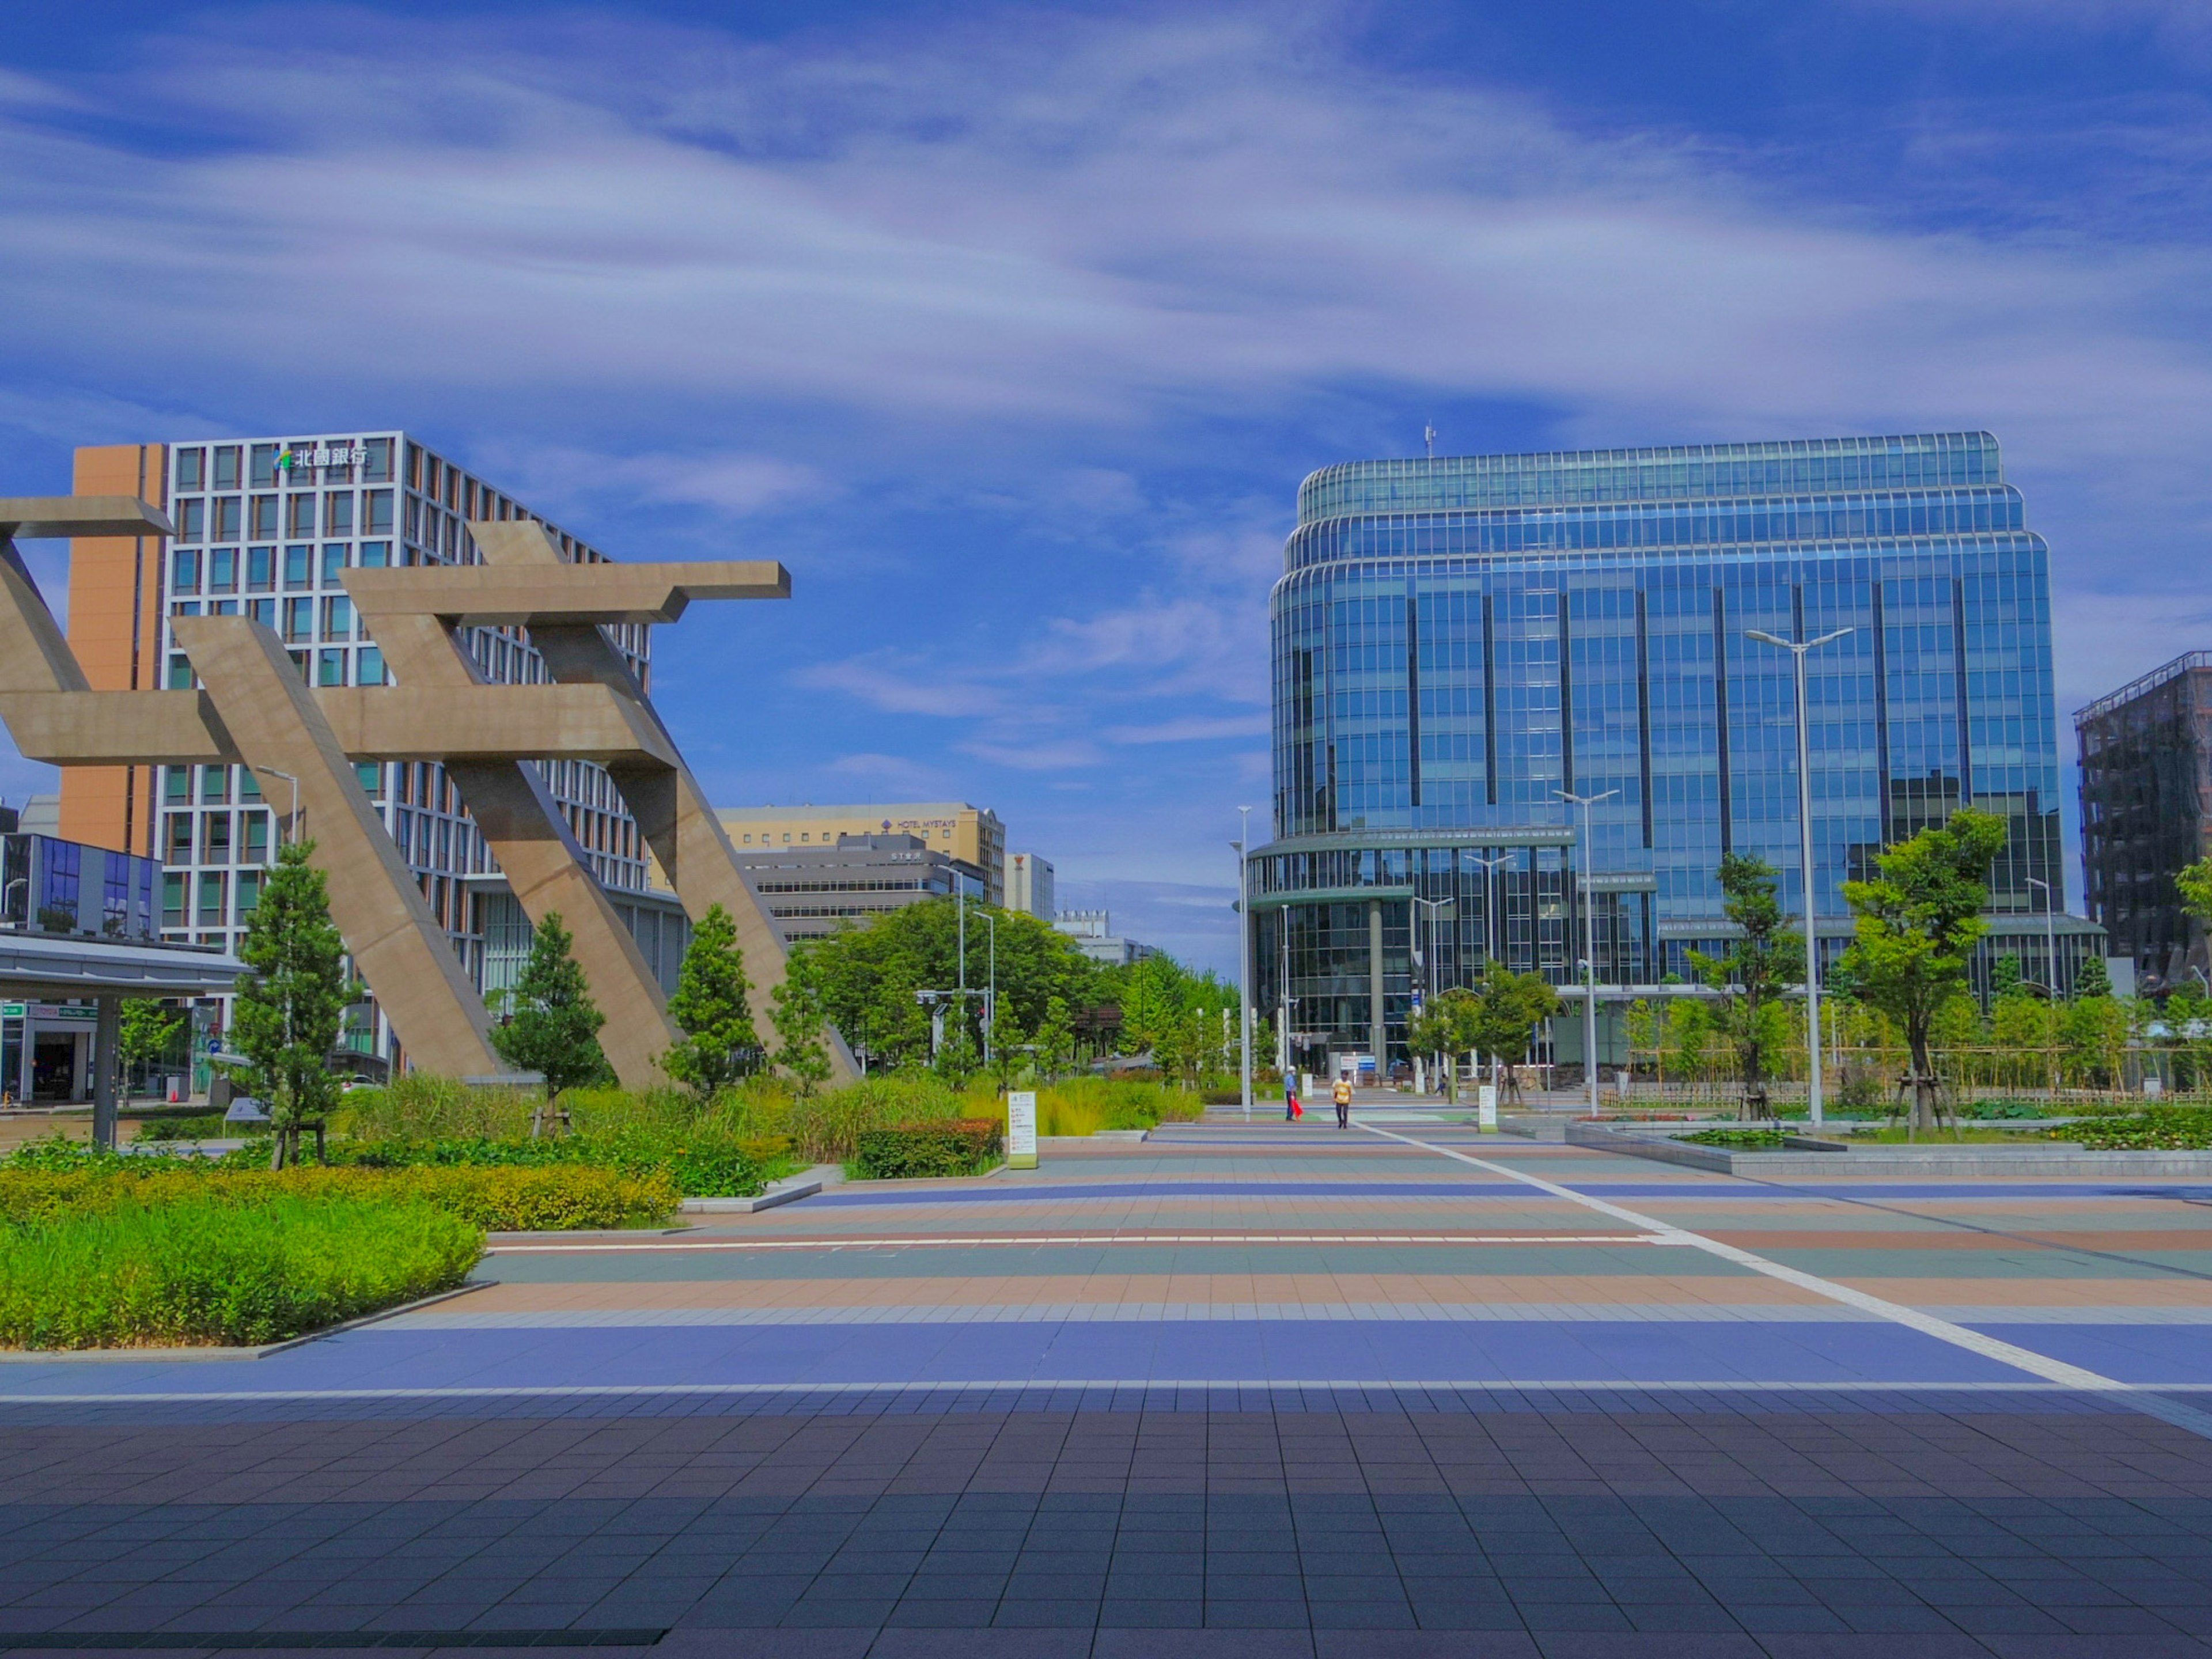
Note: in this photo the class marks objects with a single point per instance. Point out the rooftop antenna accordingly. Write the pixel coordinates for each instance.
(1428, 438)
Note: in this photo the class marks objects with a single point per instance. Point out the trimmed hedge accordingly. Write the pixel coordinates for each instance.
(2163, 1129)
(703, 1165)
(202, 1270)
(964, 1146)
(545, 1198)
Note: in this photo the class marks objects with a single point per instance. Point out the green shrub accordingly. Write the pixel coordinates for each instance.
(1082, 1106)
(198, 1269)
(505, 1200)
(196, 1126)
(2001, 1111)
(421, 1106)
(958, 1146)
(2162, 1129)
(702, 1165)
(1737, 1141)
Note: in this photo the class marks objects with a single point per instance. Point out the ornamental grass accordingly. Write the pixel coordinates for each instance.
(200, 1267)
(545, 1198)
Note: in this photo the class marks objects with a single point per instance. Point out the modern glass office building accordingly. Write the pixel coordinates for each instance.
(267, 527)
(1458, 641)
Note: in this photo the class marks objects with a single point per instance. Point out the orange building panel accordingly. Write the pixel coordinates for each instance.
(114, 628)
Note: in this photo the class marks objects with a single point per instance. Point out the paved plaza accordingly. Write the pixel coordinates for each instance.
(1237, 1390)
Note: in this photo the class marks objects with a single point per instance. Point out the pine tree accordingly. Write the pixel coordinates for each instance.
(711, 1008)
(2090, 979)
(285, 1018)
(553, 1025)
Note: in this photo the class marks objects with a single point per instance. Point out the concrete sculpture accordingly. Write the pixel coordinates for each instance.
(255, 710)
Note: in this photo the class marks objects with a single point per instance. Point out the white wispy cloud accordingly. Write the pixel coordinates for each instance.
(996, 256)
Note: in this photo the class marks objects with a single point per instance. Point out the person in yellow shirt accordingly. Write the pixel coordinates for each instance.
(1343, 1103)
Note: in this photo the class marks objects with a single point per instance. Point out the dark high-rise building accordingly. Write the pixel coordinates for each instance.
(1458, 640)
(2145, 811)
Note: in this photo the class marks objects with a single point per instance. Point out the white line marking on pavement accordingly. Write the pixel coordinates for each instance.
(1388, 1385)
(1958, 1336)
(862, 1242)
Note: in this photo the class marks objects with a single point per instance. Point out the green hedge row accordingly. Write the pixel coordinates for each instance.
(204, 1269)
(2165, 1129)
(959, 1146)
(552, 1197)
(702, 1165)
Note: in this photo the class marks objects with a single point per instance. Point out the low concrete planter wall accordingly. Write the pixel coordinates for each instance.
(1981, 1160)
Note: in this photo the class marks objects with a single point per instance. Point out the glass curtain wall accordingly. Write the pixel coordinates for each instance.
(1457, 642)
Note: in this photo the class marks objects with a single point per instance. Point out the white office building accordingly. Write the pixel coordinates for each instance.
(266, 527)
(1029, 884)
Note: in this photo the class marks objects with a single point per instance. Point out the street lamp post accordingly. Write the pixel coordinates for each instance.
(1489, 923)
(2049, 941)
(1798, 648)
(1589, 943)
(991, 995)
(291, 818)
(1244, 845)
(1436, 908)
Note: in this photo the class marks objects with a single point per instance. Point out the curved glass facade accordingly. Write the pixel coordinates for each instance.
(1457, 641)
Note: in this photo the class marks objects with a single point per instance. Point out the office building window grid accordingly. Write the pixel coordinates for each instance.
(1450, 670)
(266, 528)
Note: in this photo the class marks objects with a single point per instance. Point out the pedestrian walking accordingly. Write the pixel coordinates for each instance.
(1292, 1110)
(1343, 1103)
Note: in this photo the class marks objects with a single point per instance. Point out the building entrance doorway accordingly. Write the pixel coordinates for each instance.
(54, 1067)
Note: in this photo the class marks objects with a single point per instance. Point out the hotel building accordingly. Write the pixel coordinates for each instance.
(969, 835)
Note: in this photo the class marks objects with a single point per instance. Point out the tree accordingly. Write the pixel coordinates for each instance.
(2091, 979)
(285, 1018)
(2005, 977)
(1446, 1028)
(713, 1011)
(1007, 1042)
(553, 1025)
(868, 975)
(1914, 929)
(795, 1010)
(148, 1029)
(1761, 961)
(1056, 1038)
(1508, 1009)
(1183, 1046)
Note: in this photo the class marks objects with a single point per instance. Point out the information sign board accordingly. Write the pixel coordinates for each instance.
(1021, 1129)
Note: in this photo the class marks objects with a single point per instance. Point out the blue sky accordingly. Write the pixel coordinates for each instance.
(1012, 330)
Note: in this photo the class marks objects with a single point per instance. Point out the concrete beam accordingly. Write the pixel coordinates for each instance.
(399, 945)
(492, 596)
(47, 517)
(547, 873)
(670, 810)
(397, 723)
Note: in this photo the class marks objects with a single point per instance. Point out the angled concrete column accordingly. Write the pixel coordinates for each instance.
(399, 947)
(547, 870)
(672, 811)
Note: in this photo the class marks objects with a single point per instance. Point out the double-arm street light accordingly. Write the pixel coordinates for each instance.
(1798, 648)
(1438, 909)
(1589, 943)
